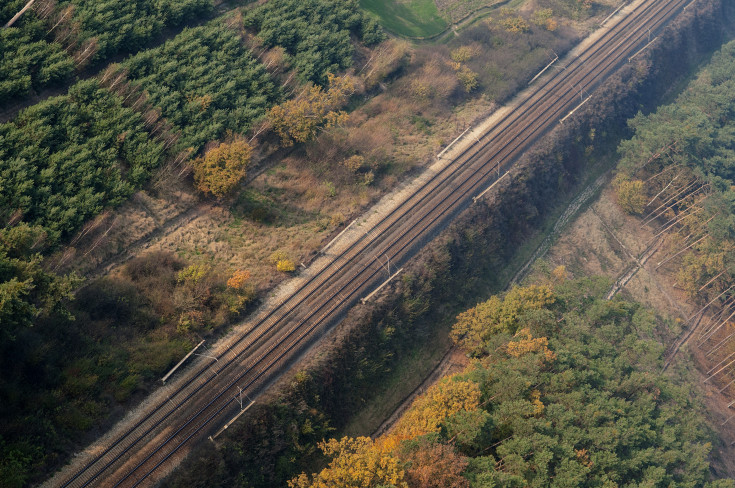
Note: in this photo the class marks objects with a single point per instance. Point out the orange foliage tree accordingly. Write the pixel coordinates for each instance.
(301, 118)
(222, 168)
(436, 466)
(238, 279)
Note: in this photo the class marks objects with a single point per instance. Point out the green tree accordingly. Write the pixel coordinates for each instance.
(26, 290)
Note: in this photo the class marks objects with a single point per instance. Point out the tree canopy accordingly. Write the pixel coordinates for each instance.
(29, 60)
(315, 33)
(126, 26)
(570, 394)
(222, 168)
(680, 166)
(65, 159)
(205, 82)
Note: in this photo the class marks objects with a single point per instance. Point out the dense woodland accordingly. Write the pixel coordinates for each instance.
(52, 40)
(564, 389)
(115, 26)
(65, 159)
(314, 33)
(205, 82)
(679, 167)
(30, 60)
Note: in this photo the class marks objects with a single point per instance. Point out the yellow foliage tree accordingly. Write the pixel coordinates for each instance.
(468, 78)
(463, 54)
(301, 118)
(515, 24)
(356, 463)
(441, 400)
(525, 343)
(283, 263)
(544, 18)
(498, 315)
(285, 266)
(630, 194)
(353, 163)
(222, 168)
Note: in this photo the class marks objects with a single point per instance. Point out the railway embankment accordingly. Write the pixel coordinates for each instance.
(277, 437)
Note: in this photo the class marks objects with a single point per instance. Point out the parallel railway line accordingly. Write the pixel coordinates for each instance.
(201, 399)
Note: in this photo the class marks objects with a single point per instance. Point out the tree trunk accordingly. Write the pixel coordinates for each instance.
(22, 11)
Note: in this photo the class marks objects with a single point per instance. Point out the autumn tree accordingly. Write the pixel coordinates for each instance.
(282, 261)
(300, 119)
(544, 18)
(630, 194)
(465, 75)
(498, 315)
(356, 463)
(222, 168)
(468, 78)
(440, 401)
(434, 465)
(239, 279)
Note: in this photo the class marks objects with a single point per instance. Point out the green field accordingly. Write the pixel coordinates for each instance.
(412, 18)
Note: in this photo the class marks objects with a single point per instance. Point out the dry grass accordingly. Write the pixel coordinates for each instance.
(303, 198)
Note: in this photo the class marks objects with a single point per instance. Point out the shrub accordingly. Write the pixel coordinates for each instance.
(630, 194)
(222, 168)
(285, 266)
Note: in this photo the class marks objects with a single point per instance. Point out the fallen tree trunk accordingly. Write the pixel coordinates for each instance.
(22, 11)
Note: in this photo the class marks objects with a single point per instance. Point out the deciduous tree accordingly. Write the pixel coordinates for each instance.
(222, 168)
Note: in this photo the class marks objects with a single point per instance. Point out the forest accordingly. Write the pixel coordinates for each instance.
(205, 83)
(71, 157)
(314, 33)
(30, 60)
(563, 389)
(53, 40)
(685, 151)
(65, 159)
(125, 26)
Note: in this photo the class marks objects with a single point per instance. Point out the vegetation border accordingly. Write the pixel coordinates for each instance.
(460, 264)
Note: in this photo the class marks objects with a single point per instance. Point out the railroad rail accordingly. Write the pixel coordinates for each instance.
(209, 394)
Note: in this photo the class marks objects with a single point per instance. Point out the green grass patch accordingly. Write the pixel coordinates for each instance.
(413, 18)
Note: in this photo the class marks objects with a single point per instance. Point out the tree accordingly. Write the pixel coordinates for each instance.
(239, 279)
(301, 118)
(26, 290)
(498, 315)
(440, 401)
(222, 168)
(468, 78)
(630, 194)
(435, 465)
(356, 463)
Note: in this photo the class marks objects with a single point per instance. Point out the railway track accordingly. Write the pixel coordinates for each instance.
(208, 395)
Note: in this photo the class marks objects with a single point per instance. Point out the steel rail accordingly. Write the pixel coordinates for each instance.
(356, 255)
(416, 235)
